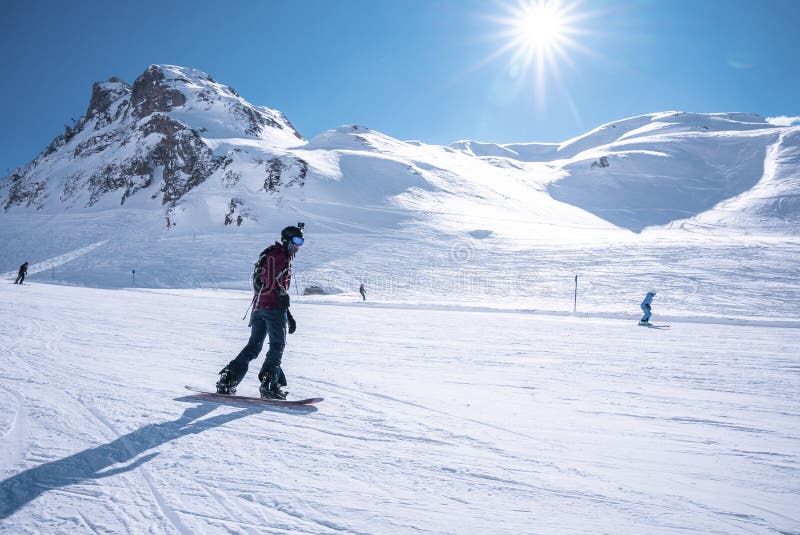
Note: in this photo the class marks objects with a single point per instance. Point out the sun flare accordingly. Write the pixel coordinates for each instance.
(538, 37)
(540, 26)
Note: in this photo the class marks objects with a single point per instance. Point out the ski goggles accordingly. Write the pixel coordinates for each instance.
(297, 240)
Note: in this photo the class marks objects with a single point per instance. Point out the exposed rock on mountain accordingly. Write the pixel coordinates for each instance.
(285, 171)
(151, 94)
(107, 97)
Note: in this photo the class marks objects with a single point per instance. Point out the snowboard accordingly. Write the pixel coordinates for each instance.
(254, 400)
(655, 326)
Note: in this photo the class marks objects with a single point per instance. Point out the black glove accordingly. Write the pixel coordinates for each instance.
(292, 323)
(649, 307)
(283, 300)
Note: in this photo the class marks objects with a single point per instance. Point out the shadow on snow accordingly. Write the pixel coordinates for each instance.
(92, 463)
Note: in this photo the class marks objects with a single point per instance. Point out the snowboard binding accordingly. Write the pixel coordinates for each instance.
(226, 385)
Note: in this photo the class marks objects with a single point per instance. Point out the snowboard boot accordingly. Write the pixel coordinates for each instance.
(644, 322)
(270, 385)
(226, 385)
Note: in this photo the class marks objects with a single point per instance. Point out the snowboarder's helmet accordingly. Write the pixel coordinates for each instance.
(292, 232)
(653, 292)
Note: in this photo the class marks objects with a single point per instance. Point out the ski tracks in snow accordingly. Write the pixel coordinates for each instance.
(56, 261)
(16, 434)
(485, 456)
(161, 503)
(13, 443)
(59, 387)
(433, 422)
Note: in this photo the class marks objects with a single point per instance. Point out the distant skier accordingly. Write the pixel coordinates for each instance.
(23, 270)
(646, 308)
(363, 292)
(269, 316)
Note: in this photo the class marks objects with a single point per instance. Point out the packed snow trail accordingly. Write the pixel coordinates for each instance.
(433, 422)
(696, 275)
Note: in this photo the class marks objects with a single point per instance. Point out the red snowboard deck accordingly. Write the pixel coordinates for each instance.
(254, 400)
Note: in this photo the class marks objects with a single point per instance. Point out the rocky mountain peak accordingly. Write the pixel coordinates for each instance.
(166, 133)
(153, 93)
(104, 96)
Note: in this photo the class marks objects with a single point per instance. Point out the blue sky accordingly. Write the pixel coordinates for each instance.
(414, 69)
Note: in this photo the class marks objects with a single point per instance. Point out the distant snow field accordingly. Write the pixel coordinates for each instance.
(434, 421)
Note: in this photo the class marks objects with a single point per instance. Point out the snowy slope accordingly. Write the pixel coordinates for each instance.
(669, 168)
(774, 200)
(433, 421)
(181, 179)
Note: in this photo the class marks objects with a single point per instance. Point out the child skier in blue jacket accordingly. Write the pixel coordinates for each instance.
(646, 308)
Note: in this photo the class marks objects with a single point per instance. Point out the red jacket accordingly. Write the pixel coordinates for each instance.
(275, 272)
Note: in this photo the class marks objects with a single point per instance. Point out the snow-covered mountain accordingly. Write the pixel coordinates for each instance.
(180, 178)
(145, 142)
(735, 169)
(177, 139)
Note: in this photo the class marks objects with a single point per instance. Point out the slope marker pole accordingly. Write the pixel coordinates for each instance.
(575, 302)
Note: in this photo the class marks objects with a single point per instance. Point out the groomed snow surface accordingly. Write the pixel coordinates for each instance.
(434, 421)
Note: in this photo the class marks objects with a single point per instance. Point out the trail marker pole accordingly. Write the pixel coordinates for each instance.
(575, 303)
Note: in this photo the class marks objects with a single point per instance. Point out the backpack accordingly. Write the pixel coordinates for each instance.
(255, 278)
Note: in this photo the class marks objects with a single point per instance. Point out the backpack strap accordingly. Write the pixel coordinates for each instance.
(257, 294)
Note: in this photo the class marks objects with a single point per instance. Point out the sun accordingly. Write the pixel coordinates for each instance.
(539, 38)
(540, 26)
(540, 29)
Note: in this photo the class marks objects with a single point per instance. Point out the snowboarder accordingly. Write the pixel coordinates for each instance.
(23, 270)
(363, 292)
(269, 317)
(646, 308)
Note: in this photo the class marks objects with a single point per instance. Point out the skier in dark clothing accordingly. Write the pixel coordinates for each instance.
(363, 292)
(23, 270)
(269, 317)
